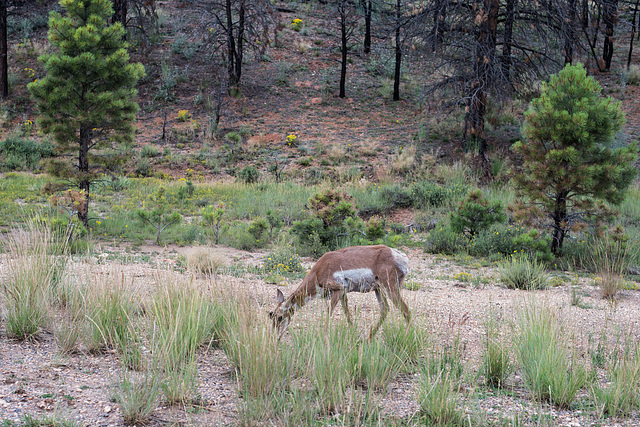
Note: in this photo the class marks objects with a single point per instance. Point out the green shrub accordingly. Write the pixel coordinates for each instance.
(506, 240)
(395, 196)
(332, 223)
(19, 153)
(443, 240)
(258, 228)
(475, 214)
(427, 194)
(149, 151)
(143, 168)
(519, 272)
(249, 175)
(282, 262)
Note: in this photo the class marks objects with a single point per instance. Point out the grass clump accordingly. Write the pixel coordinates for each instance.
(205, 261)
(550, 371)
(519, 272)
(34, 274)
(609, 258)
(184, 318)
(137, 396)
(438, 397)
(622, 395)
(496, 365)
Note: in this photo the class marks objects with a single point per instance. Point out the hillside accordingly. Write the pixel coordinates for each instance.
(288, 89)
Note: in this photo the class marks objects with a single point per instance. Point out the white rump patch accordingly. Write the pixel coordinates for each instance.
(356, 280)
(402, 261)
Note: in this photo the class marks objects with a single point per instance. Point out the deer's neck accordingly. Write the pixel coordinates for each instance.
(305, 292)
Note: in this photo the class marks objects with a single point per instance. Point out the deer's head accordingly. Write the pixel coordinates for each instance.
(281, 314)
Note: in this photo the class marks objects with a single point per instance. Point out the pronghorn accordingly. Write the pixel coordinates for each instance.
(356, 269)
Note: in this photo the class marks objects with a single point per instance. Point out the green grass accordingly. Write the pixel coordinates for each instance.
(550, 370)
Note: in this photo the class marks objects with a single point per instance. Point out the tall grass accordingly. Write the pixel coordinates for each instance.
(137, 396)
(184, 318)
(621, 395)
(439, 398)
(34, 271)
(549, 369)
(496, 365)
(111, 309)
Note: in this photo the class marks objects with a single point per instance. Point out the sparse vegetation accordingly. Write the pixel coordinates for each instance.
(135, 318)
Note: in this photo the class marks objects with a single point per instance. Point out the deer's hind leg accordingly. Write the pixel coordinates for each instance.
(340, 295)
(394, 289)
(384, 310)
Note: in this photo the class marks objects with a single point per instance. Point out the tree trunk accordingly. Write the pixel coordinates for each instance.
(83, 170)
(231, 47)
(4, 52)
(633, 33)
(609, 18)
(367, 5)
(240, 42)
(439, 17)
(487, 24)
(569, 31)
(396, 77)
(559, 225)
(120, 13)
(508, 38)
(343, 47)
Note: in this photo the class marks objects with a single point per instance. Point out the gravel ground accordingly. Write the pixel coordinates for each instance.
(35, 380)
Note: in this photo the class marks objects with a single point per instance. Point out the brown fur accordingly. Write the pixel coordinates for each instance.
(388, 269)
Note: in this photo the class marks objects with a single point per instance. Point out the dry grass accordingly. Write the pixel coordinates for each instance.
(205, 261)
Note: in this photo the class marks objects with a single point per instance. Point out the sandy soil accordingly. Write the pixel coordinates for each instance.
(35, 380)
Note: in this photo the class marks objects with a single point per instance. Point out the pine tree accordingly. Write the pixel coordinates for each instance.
(570, 167)
(87, 98)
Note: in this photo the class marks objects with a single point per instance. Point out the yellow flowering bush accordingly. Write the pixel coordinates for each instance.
(183, 115)
(291, 140)
(296, 24)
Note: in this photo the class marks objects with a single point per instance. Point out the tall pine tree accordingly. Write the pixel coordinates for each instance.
(570, 166)
(87, 98)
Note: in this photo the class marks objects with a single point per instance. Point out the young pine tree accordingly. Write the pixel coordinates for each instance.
(570, 167)
(87, 98)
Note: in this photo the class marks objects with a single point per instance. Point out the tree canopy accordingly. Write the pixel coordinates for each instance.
(87, 98)
(570, 163)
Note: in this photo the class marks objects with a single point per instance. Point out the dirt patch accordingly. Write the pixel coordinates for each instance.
(35, 380)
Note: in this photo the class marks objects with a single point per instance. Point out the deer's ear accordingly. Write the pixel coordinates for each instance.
(279, 296)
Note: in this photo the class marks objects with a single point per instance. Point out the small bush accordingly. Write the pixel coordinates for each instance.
(520, 272)
(443, 240)
(150, 151)
(258, 228)
(17, 153)
(633, 75)
(395, 196)
(282, 262)
(249, 175)
(143, 168)
(506, 240)
(475, 214)
(426, 194)
(332, 223)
